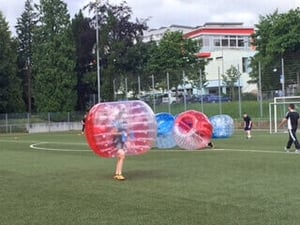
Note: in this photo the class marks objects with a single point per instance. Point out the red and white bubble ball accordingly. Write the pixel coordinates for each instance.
(140, 123)
(192, 130)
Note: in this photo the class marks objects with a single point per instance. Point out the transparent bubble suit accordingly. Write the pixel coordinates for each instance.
(165, 123)
(192, 130)
(140, 127)
(223, 126)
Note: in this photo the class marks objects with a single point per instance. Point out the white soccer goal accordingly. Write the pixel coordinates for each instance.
(279, 108)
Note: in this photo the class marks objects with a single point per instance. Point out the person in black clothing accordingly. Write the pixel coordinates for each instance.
(291, 119)
(247, 124)
(83, 123)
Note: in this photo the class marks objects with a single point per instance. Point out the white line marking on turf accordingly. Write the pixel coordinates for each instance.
(251, 150)
(35, 147)
(226, 150)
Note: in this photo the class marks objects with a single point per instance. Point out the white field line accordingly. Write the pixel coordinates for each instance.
(226, 150)
(37, 146)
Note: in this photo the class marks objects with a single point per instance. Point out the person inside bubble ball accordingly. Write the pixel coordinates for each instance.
(210, 145)
(120, 138)
(247, 124)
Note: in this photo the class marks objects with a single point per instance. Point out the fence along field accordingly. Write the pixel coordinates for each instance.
(52, 122)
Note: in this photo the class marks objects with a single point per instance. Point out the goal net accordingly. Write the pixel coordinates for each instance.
(278, 109)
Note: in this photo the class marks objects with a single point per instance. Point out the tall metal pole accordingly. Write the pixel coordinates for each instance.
(169, 94)
(97, 49)
(114, 87)
(282, 77)
(219, 90)
(28, 70)
(139, 86)
(153, 92)
(239, 90)
(126, 89)
(184, 90)
(260, 90)
(201, 94)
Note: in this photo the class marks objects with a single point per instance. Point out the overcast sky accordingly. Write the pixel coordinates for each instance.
(179, 12)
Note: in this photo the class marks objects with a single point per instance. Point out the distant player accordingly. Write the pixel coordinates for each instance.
(83, 123)
(291, 119)
(247, 125)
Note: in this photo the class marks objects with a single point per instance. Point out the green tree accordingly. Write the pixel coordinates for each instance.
(174, 54)
(10, 85)
(118, 38)
(24, 29)
(277, 38)
(231, 76)
(54, 59)
(84, 37)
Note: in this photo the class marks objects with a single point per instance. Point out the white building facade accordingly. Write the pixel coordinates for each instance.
(157, 34)
(224, 45)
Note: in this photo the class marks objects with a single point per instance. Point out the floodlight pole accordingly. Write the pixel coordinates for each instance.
(126, 89)
(169, 94)
(153, 92)
(282, 78)
(239, 89)
(260, 90)
(139, 86)
(201, 94)
(184, 90)
(219, 90)
(98, 55)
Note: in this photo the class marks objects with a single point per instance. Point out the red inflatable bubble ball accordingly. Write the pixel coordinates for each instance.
(135, 120)
(192, 130)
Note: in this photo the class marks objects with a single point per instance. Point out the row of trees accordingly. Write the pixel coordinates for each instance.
(277, 41)
(51, 63)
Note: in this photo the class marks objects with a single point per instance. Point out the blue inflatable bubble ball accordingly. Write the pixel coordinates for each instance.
(223, 126)
(165, 123)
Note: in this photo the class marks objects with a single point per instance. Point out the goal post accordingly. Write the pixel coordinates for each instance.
(278, 109)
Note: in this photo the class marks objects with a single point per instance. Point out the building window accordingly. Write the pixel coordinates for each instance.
(225, 41)
(217, 42)
(232, 41)
(205, 41)
(246, 64)
(241, 43)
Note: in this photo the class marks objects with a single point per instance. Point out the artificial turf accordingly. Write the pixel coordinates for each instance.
(240, 182)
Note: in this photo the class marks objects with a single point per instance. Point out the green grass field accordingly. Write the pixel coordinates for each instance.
(54, 179)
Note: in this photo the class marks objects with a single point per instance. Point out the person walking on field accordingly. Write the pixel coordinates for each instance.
(247, 125)
(291, 119)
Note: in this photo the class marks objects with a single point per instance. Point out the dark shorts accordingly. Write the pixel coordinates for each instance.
(247, 128)
(120, 145)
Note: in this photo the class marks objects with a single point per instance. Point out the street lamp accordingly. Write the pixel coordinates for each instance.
(126, 89)
(153, 92)
(219, 90)
(97, 49)
(282, 77)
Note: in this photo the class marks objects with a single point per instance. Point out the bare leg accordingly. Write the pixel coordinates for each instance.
(119, 165)
(249, 133)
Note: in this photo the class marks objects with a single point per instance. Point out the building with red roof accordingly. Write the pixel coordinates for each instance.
(224, 45)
